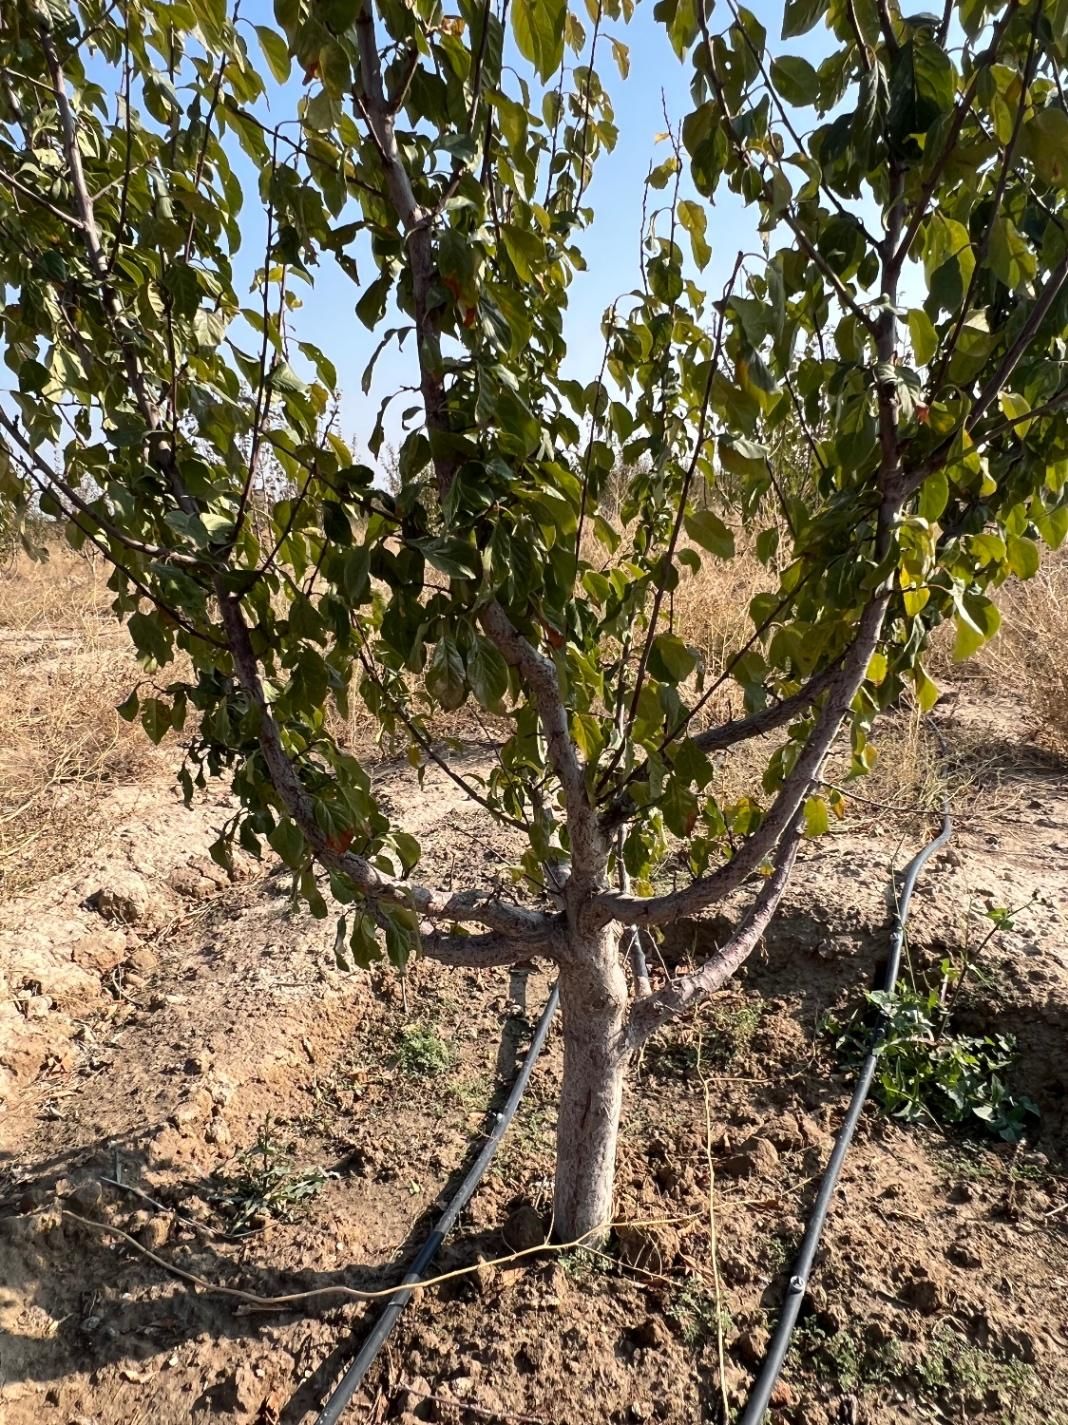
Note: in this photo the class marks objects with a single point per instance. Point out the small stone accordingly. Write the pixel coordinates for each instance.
(783, 1395)
(199, 1062)
(221, 1090)
(647, 1247)
(649, 1334)
(757, 1157)
(193, 1109)
(962, 1253)
(524, 1229)
(641, 1410)
(100, 952)
(218, 1132)
(667, 1176)
(142, 959)
(155, 1233)
(486, 1279)
(923, 1292)
(412, 1397)
(125, 898)
(35, 1006)
(752, 1346)
(88, 1195)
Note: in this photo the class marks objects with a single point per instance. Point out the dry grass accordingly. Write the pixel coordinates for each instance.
(64, 666)
(1028, 660)
(711, 613)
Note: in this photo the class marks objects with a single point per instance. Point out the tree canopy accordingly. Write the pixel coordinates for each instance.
(876, 400)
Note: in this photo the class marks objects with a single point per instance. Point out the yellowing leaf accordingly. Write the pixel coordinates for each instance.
(817, 822)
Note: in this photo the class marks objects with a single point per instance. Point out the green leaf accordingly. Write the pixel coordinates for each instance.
(363, 942)
(487, 673)
(1045, 142)
(694, 219)
(1015, 408)
(452, 556)
(795, 79)
(445, 675)
(372, 304)
(801, 15)
(670, 660)
(926, 691)
(538, 26)
(877, 667)
(976, 621)
(288, 841)
(1011, 256)
(129, 709)
(408, 849)
(155, 719)
(1023, 556)
(923, 335)
(149, 638)
(275, 51)
(527, 252)
(709, 531)
(285, 380)
(934, 496)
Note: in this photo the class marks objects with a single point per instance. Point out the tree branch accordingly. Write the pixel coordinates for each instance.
(681, 995)
(484, 908)
(1045, 300)
(964, 108)
(667, 558)
(950, 345)
(538, 672)
(34, 197)
(47, 479)
(481, 952)
(539, 675)
(707, 890)
(808, 248)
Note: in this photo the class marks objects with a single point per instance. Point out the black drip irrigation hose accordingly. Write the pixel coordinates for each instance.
(797, 1287)
(349, 1382)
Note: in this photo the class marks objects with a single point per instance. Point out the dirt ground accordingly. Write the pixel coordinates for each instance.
(158, 1021)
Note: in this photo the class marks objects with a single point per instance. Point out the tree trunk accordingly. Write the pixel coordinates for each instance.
(593, 999)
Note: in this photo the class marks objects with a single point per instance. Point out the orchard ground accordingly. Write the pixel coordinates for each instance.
(295, 1126)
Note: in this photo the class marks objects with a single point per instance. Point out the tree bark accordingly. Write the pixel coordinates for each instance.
(593, 999)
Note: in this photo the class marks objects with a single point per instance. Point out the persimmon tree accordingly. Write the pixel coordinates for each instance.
(898, 320)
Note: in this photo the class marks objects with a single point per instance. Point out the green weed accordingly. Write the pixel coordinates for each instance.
(927, 1071)
(422, 1052)
(693, 1307)
(266, 1184)
(973, 1376)
(847, 1358)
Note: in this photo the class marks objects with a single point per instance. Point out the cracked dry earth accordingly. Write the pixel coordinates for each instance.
(157, 1020)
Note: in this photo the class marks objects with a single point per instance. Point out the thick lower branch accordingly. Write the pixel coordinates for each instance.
(481, 952)
(539, 675)
(662, 910)
(651, 1012)
(729, 734)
